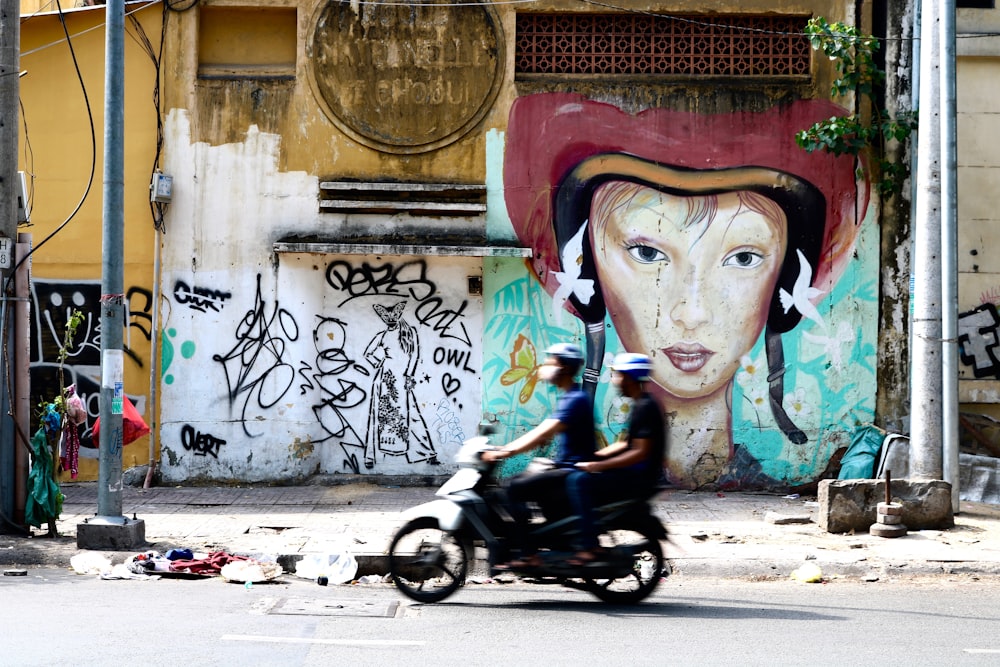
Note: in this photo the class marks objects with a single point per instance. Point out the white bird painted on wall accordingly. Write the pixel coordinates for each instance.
(569, 279)
(802, 293)
(832, 344)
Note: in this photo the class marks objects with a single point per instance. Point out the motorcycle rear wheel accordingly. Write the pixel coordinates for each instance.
(427, 564)
(647, 568)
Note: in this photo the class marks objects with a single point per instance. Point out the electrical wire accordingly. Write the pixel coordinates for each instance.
(156, 209)
(93, 150)
(82, 32)
(29, 161)
(26, 18)
(8, 283)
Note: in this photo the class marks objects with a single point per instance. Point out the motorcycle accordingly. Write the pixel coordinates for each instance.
(431, 554)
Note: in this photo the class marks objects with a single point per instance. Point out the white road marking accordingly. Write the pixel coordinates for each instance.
(981, 650)
(335, 642)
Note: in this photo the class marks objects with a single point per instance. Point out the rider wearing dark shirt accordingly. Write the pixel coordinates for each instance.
(628, 469)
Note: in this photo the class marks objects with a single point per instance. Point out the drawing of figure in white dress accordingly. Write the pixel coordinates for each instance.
(395, 425)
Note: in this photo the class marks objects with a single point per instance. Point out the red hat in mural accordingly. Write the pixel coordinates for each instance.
(561, 147)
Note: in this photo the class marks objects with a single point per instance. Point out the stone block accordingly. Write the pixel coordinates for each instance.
(111, 535)
(847, 505)
(785, 519)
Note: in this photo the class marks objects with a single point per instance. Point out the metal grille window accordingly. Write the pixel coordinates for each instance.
(741, 45)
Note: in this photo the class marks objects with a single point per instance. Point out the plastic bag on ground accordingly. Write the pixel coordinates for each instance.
(252, 571)
(338, 568)
(89, 562)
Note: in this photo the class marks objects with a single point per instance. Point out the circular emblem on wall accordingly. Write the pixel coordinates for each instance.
(407, 77)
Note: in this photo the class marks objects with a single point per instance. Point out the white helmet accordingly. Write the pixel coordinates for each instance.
(567, 353)
(635, 366)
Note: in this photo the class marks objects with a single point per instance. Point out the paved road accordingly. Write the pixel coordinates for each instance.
(54, 618)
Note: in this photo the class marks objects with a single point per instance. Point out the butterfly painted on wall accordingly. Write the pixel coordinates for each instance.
(523, 366)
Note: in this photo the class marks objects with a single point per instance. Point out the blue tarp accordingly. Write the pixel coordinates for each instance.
(859, 460)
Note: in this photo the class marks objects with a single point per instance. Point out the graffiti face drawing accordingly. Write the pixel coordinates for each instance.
(706, 267)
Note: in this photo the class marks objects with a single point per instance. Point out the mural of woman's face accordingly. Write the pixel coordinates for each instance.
(687, 280)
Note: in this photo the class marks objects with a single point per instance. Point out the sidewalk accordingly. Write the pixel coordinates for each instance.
(712, 534)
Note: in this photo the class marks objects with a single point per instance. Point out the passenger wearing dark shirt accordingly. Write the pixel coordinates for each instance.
(628, 469)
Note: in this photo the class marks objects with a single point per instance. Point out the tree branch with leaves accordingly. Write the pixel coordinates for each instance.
(858, 73)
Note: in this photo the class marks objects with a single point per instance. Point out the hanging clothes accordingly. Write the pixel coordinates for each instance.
(76, 415)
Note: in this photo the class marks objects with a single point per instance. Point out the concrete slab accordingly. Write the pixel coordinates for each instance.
(851, 505)
(111, 536)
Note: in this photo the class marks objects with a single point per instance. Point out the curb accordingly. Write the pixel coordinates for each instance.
(762, 569)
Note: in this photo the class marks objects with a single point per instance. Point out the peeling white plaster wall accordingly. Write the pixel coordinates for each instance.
(271, 361)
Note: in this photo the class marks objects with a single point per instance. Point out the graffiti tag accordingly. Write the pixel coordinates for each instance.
(978, 340)
(202, 444)
(408, 280)
(255, 367)
(200, 298)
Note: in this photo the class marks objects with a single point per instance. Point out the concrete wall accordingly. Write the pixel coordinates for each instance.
(269, 369)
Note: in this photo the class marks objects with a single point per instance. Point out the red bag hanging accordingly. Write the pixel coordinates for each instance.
(133, 426)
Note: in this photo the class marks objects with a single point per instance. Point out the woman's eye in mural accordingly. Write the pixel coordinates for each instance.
(645, 254)
(744, 259)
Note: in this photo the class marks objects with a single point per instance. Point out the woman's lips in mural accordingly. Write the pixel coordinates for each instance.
(688, 357)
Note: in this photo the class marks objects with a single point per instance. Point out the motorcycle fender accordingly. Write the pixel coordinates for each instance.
(447, 513)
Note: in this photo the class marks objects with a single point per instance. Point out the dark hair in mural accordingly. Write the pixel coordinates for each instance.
(805, 212)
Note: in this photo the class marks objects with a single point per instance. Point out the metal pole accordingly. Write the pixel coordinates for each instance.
(154, 361)
(109, 490)
(925, 364)
(949, 252)
(21, 357)
(10, 55)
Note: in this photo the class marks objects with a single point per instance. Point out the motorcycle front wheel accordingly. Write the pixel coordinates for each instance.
(646, 554)
(426, 563)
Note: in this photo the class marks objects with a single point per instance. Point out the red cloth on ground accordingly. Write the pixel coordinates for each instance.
(211, 564)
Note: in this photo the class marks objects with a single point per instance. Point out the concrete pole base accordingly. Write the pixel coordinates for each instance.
(887, 530)
(111, 534)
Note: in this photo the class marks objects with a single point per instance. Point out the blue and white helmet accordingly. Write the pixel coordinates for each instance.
(568, 354)
(635, 366)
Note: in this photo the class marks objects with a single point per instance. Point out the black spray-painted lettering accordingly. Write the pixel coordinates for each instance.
(200, 298)
(978, 340)
(409, 280)
(202, 444)
(456, 358)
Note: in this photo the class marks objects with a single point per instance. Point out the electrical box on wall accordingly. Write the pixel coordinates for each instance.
(161, 189)
(23, 212)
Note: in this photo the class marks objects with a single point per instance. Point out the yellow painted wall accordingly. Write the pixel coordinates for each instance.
(56, 151)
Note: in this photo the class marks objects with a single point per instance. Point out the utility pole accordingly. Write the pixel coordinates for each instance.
(949, 251)
(109, 529)
(10, 55)
(926, 410)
